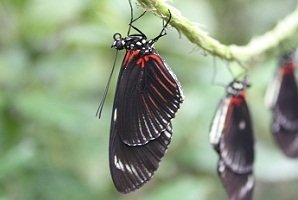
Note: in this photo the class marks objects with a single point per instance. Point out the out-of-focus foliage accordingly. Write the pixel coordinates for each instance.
(55, 59)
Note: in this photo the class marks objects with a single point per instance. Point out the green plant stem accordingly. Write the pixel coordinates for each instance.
(286, 31)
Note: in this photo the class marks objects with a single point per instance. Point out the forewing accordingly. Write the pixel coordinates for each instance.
(238, 186)
(237, 142)
(148, 96)
(132, 166)
(218, 123)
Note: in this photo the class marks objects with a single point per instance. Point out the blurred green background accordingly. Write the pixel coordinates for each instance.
(55, 58)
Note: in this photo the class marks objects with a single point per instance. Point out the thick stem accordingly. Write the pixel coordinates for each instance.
(286, 31)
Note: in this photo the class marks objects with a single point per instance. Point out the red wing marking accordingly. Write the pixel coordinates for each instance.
(146, 58)
(166, 77)
(164, 86)
(160, 64)
(157, 58)
(141, 62)
(152, 101)
(288, 69)
(237, 100)
(158, 93)
(130, 55)
(147, 108)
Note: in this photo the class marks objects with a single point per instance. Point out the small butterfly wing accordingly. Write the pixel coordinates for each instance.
(148, 96)
(237, 142)
(238, 186)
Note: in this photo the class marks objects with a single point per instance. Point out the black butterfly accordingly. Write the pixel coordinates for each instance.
(147, 98)
(231, 135)
(282, 99)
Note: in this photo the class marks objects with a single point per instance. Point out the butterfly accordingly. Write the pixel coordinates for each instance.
(282, 99)
(147, 97)
(231, 135)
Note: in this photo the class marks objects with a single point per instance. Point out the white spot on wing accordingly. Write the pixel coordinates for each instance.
(218, 122)
(222, 167)
(118, 164)
(167, 134)
(146, 125)
(242, 125)
(115, 115)
(272, 92)
(141, 131)
(224, 153)
(247, 187)
(128, 168)
(153, 126)
(294, 145)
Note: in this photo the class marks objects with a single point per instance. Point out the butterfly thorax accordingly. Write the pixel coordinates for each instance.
(133, 42)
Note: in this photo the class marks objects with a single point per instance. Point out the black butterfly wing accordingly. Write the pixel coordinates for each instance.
(238, 186)
(148, 96)
(285, 114)
(287, 140)
(237, 143)
(132, 166)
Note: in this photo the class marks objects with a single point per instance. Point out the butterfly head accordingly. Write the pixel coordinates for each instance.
(119, 42)
(236, 88)
(287, 58)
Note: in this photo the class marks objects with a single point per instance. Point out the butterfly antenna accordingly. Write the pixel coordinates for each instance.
(246, 81)
(168, 21)
(132, 20)
(213, 82)
(230, 70)
(131, 16)
(163, 30)
(100, 106)
(243, 74)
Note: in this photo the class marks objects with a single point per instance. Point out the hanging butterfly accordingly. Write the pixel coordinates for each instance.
(231, 135)
(147, 98)
(282, 99)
